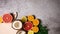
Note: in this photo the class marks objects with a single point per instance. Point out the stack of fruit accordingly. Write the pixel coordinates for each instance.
(26, 25)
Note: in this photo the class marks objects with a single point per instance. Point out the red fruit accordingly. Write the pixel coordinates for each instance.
(7, 18)
(27, 26)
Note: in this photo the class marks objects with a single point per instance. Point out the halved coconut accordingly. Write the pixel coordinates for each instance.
(17, 25)
(15, 14)
(21, 32)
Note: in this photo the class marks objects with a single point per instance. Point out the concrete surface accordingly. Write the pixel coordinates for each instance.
(47, 10)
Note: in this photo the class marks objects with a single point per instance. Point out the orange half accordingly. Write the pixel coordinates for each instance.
(35, 29)
(35, 22)
(30, 18)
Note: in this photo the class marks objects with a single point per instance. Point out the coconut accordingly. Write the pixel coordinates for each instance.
(17, 25)
(21, 32)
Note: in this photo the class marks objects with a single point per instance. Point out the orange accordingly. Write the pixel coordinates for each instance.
(35, 22)
(35, 29)
(30, 18)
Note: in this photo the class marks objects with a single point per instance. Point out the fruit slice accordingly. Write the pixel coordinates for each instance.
(1, 20)
(7, 18)
(30, 18)
(21, 32)
(35, 29)
(27, 26)
(35, 22)
(30, 32)
(24, 19)
(17, 25)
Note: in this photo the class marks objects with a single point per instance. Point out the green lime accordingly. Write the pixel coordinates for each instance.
(24, 19)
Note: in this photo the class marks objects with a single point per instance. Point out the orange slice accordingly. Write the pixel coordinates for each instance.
(35, 29)
(30, 18)
(35, 22)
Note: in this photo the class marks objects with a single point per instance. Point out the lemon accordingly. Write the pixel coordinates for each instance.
(1, 19)
(30, 32)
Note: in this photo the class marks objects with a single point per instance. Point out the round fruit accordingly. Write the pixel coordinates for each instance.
(27, 26)
(35, 29)
(24, 19)
(17, 25)
(30, 18)
(30, 32)
(1, 20)
(35, 22)
(7, 18)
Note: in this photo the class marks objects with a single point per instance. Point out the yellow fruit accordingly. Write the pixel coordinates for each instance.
(35, 22)
(30, 32)
(35, 29)
(30, 18)
(1, 19)
(24, 19)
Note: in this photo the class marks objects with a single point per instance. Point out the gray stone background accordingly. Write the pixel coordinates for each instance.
(46, 10)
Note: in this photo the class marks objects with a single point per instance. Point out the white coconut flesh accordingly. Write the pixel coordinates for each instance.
(15, 14)
(21, 32)
(17, 24)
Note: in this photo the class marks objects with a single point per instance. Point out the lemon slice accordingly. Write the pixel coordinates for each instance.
(1, 19)
(30, 32)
